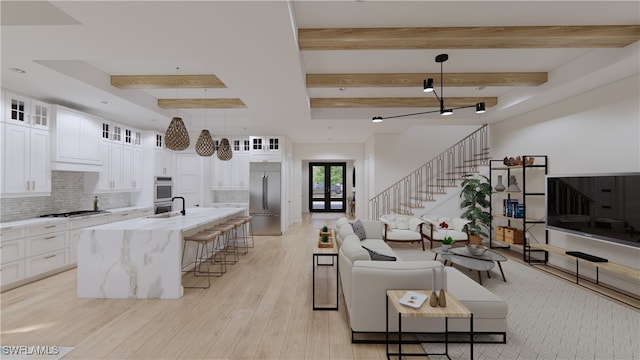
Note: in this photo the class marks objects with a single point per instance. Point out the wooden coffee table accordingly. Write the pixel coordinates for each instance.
(454, 309)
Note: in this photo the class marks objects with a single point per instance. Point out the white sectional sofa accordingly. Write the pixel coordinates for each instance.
(364, 282)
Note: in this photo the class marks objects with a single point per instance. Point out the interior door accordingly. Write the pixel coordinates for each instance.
(327, 187)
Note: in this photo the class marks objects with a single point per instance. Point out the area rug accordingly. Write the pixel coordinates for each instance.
(33, 352)
(550, 318)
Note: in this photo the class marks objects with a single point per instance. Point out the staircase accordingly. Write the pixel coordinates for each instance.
(443, 172)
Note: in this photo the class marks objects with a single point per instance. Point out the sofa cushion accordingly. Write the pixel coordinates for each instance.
(358, 229)
(373, 229)
(341, 221)
(379, 256)
(378, 245)
(398, 234)
(352, 249)
(483, 303)
(344, 231)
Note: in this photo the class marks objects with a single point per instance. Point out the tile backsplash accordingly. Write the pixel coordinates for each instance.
(67, 194)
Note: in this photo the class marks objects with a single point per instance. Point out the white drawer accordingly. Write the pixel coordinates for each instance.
(46, 228)
(12, 250)
(11, 234)
(45, 243)
(46, 262)
(145, 212)
(124, 215)
(89, 221)
(12, 272)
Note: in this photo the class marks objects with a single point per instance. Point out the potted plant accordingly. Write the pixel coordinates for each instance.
(324, 229)
(476, 198)
(447, 241)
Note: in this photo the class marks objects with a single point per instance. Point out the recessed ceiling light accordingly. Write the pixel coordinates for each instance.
(480, 87)
(342, 89)
(18, 70)
(106, 102)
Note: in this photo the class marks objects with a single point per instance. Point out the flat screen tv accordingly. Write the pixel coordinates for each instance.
(603, 206)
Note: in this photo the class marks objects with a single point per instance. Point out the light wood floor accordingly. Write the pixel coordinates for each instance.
(260, 309)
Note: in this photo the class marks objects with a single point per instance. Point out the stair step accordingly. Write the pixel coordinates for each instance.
(435, 192)
(412, 206)
(421, 198)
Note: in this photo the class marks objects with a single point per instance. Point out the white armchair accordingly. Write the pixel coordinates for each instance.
(457, 230)
(402, 228)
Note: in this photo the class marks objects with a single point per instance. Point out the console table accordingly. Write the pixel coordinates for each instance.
(318, 252)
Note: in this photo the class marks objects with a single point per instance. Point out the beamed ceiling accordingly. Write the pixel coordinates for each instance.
(340, 64)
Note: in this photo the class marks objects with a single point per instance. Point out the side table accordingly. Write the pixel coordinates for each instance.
(332, 253)
(454, 309)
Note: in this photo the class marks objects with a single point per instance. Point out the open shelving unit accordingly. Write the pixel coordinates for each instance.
(532, 196)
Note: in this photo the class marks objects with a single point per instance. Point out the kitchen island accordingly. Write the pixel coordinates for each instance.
(141, 258)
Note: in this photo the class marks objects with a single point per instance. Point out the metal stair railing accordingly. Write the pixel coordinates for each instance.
(434, 177)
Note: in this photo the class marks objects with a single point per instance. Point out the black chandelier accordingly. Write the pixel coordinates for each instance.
(428, 87)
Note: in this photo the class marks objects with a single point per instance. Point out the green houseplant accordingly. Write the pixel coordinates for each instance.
(476, 198)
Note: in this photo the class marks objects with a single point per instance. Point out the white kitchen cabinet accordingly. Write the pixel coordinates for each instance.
(121, 154)
(132, 168)
(232, 174)
(165, 163)
(26, 169)
(32, 251)
(25, 164)
(75, 140)
(266, 148)
(16, 109)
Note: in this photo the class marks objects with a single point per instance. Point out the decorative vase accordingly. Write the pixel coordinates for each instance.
(499, 186)
(513, 184)
(433, 299)
(442, 299)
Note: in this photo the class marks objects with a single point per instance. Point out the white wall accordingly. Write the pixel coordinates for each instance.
(397, 155)
(594, 132)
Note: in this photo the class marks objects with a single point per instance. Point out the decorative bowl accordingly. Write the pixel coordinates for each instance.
(476, 250)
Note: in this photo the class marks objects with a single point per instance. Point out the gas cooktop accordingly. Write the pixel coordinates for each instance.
(75, 213)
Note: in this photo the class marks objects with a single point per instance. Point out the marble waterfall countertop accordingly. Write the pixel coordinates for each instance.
(141, 258)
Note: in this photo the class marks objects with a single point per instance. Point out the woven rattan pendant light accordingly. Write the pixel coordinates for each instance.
(176, 136)
(204, 145)
(224, 150)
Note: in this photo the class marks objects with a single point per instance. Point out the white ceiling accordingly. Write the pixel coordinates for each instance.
(70, 48)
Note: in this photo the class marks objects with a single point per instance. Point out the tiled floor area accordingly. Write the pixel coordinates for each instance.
(550, 318)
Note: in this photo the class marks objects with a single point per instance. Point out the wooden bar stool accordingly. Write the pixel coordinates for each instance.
(238, 223)
(217, 254)
(201, 239)
(248, 228)
(226, 230)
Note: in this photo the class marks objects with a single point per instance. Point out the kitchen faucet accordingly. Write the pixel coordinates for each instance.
(183, 212)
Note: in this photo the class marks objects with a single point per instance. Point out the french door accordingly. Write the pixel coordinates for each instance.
(327, 187)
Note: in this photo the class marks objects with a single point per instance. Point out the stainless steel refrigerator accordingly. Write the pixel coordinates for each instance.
(264, 199)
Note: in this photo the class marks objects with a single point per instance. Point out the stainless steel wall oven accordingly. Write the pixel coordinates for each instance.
(162, 194)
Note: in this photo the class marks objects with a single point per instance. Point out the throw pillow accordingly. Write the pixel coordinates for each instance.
(376, 256)
(358, 228)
